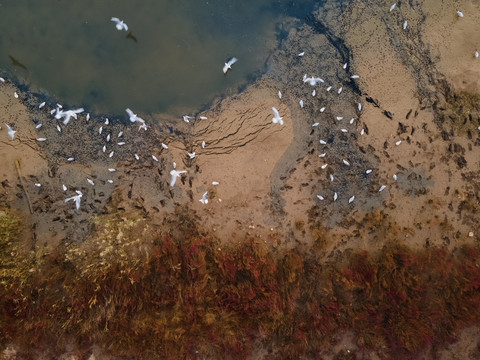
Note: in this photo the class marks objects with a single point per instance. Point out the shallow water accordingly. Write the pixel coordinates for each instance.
(74, 53)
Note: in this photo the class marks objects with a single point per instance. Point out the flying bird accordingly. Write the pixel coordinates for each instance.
(10, 131)
(119, 24)
(133, 117)
(228, 64)
(174, 174)
(277, 119)
(204, 199)
(75, 198)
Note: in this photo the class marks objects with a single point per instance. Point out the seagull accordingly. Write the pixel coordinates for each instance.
(107, 121)
(174, 174)
(322, 155)
(459, 13)
(277, 119)
(405, 25)
(41, 105)
(41, 139)
(203, 118)
(112, 170)
(279, 95)
(322, 109)
(335, 197)
(344, 130)
(15, 95)
(382, 188)
(186, 118)
(111, 154)
(392, 7)
(38, 184)
(329, 88)
(75, 198)
(346, 162)
(110, 181)
(395, 177)
(324, 166)
(143, 126)
(136, 157)
(314, 92)
(154, 158)
(214, 183)
(10, 131)
(70, 159)
(119, 24)
(164, 146)
(345, 66)
(100, 130)
(359, 106)
(104, 148)
(368, 171)
(476, 54)
(351, 199)
(354, 77)
(302, 53)
(340, 90)
(398, 142)
(312, 81)
(204, 199)
(320, 197)
(228, 64)
(133, 117)
(120, 134)
(59, 129)
(323, 142)
(191, 155)
(203, 144)
(87, 117)
(64, 187)
(90, 182)
(108, 138)
(339, 118)
(68, 114)
(301, 104)
(352, 120)
(38, 126)
(362, 132)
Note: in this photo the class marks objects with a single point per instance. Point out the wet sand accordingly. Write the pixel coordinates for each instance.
(269, 175)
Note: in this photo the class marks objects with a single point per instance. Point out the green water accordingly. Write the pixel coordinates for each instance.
(74, 53)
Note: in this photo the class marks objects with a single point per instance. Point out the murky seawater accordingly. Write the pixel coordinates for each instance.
(170, 59)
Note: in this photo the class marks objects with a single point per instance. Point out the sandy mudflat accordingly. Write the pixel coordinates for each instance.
(418, 86)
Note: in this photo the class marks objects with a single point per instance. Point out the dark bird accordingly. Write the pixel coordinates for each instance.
(15, 62)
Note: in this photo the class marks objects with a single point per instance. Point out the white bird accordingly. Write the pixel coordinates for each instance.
(398, 142)
(191, 155)
(38, 184)
(329, 88)
(186, 118)
(323, 142)
(143, 126)
(119, 24)
(315, 124)
(382, 188)
(302, 53)
(277, 119)
(111, 154)
(70, 159)
(104, 148)
(331, 178)
(314, 92)
(59, 129)
(133, 117)
(354, 77)
(41, 105)
(320, 197)
(392, 7)
(340, 90)
(312, 81)
(339, 118)
(15, 95)
(164, 146)
(228, 64)
(67, 114)
(154, 158)
(351, 199)
(87, 117)
(110, 181)
(2, 79)
(107, 121)
(301, 104)
(112, 170)
(90, 182)
(204, 199)
(75, 198)
(368, 171)
(108, 138)
(214, 183)
(324, 166)
(335, 197)
(322, 109)
(459, 13)
(64, 187)
(120, 134)
(359, 106)
(394, 177)
(344, 130)
(203, 144)
(322, 155)
(405, 25)
(41, 139)
(362, 132)
(352, 120)
(279, 95)
(174, 174)
(345, 65)
(203, 118)
(346, 162)
(100, 130)
(10, 131)
(136, 157)
(38, 126)
(476, 54)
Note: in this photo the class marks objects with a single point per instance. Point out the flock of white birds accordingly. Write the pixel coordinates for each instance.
(59, 113)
